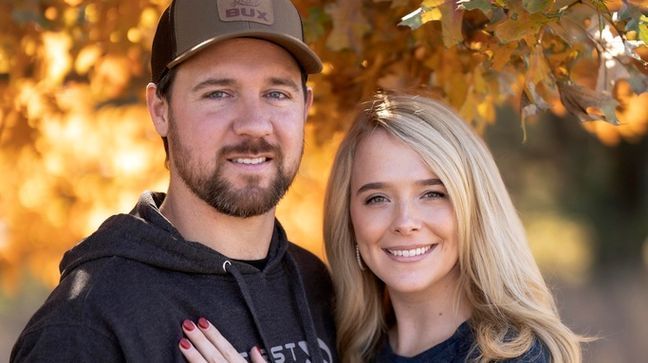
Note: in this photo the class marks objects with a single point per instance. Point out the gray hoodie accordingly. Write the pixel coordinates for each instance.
(126, 289)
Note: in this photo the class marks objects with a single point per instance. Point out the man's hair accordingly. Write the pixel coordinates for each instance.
(498, 275)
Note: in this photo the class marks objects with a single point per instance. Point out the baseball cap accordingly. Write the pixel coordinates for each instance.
(188, 26)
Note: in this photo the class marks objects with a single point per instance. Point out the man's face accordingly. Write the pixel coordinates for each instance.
(236, 125)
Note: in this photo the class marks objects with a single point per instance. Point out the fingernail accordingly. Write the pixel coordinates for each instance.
(188, 325)
(203, 323)
(185, 344)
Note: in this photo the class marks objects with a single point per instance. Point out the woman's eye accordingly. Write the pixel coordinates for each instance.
(376, 199)
(433, 195)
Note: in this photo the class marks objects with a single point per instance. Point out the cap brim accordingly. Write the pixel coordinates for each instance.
(310, 62)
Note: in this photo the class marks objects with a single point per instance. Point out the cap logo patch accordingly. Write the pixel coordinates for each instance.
(258, 11)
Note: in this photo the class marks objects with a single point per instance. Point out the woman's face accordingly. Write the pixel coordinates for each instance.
(403, 219)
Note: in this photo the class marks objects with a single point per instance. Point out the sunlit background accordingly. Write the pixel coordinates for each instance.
(77, 144)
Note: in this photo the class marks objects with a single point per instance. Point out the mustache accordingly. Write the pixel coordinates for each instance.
(251, 147)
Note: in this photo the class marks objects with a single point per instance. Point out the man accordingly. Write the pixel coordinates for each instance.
(229, 99)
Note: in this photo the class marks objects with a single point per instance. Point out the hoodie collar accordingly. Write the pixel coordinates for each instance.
(145, 235)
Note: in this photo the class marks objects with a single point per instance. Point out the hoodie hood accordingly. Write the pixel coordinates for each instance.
(126, 289)
(145, 235)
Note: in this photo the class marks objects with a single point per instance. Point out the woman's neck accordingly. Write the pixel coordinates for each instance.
(425, 319)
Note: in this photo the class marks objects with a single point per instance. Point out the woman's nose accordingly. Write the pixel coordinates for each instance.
(406, 220)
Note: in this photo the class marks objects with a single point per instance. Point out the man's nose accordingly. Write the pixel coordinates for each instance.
(252, 120)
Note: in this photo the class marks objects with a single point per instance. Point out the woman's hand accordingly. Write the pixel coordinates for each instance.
(210, 346)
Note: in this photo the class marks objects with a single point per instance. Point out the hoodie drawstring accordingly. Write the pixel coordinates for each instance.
(305, 313)
(245, 291)
(302, 305)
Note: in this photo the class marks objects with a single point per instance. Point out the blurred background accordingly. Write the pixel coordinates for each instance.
(557, 89)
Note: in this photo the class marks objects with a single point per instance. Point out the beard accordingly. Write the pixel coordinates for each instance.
(217, 191)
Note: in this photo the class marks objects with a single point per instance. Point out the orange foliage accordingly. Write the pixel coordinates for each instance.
(76, 143)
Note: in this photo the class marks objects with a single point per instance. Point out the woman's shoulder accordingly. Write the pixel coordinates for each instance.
(538, 353)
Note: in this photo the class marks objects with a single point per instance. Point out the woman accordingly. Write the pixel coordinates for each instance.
(415, 195)
(429, 258)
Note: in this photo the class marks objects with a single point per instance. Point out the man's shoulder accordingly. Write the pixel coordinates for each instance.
(96, 287)
(65, 320)
(96, 305)
(65, 342)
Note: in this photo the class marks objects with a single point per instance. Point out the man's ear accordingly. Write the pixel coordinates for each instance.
(158, 109)
(309, 101)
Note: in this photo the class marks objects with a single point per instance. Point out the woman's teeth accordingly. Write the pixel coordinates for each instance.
(410, 253)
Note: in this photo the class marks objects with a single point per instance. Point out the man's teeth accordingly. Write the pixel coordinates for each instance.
(249, 161)
(410, 253)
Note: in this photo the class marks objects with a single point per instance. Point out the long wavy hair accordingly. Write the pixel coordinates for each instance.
(511, 304)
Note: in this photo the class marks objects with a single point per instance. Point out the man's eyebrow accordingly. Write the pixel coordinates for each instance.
(277, 81)
(274, 81)
(378, 185)
(213, 82)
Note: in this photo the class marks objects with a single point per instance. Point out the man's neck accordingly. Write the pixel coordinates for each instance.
(235, 237)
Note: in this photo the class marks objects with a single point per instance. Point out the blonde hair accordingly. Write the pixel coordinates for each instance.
(511, 304)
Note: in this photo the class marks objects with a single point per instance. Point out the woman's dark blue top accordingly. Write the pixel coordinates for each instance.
(455, 350)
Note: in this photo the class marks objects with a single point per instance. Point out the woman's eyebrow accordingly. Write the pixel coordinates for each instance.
(433, 181)
(380, 185)
(370, 186)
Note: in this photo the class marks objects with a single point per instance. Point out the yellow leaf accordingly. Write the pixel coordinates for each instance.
(451, 24)
(502, 55)
(538, 68)
(518, 25)
(431, 15)
(432, 3)
(349, 25)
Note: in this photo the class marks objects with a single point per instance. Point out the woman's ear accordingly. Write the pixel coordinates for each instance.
(158, 109)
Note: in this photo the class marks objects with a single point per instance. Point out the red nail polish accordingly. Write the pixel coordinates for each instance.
(203, 323)
(184, 343)
(188, 325)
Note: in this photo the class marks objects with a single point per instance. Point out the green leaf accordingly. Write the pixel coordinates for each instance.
(536, 6)
(643, 29)
(483, 5)
(423, 15)
(609, 110)
(314, 24)
(600, 6)
(629, 15)
(413, 19)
